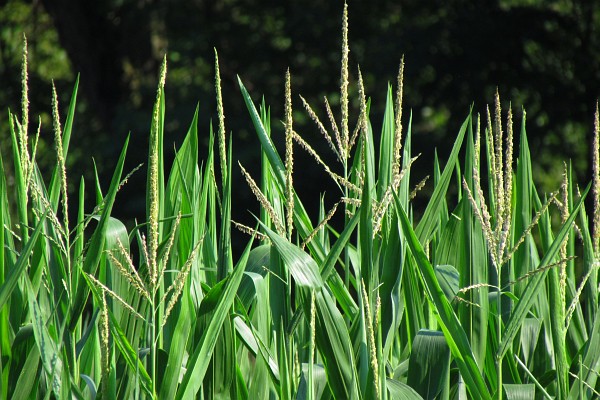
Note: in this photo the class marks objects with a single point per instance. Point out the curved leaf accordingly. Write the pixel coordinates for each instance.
(301, 265)
(429, 365)
(519, 391)
(401, 391)
(448, 278)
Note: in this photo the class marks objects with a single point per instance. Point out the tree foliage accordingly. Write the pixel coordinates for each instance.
(537, 53)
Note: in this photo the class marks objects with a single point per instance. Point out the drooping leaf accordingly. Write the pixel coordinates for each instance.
(429, 365)
(519, 391)
(319, 382)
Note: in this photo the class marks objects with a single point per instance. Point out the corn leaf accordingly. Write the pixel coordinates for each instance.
(96, 249)
(429, 363)
(522, 307)
(199, 360)
(454, 333)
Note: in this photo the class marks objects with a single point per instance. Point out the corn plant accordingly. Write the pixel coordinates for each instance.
(491, 292)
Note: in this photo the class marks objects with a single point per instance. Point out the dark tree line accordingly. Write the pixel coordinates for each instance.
(540, 54)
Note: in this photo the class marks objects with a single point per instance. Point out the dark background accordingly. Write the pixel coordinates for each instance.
(542, 55)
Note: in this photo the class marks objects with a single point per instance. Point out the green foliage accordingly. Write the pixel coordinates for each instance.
(476, 298)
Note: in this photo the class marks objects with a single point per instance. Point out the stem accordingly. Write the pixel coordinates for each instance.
(346, 250)
(153, 347)
(499, 334)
